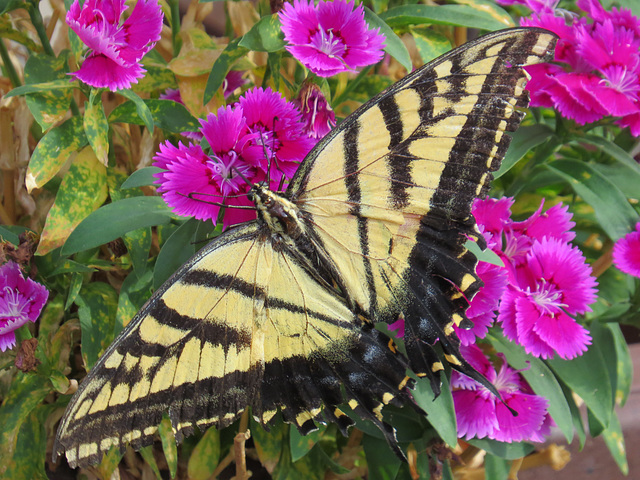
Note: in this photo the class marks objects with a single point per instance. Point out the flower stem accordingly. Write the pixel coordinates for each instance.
(38, 24)
(8, 66)
(175, 26)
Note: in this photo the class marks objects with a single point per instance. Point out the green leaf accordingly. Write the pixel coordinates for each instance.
(496, 468)
(614, 440)
(205, 456)
(40, 87)
(430, 44)
(394, 46)
(50, 105)
(133, 293)
(576, 416)
(115, 219)
(26, 462)
(301, 444)
(270, 445)
(166, 114)
(141, 178)
(540, 378)
(83, 190)
(25, 393)
(141, 108)
(622, 176)
(8, 235)
(265, 36)
(614, 214)
(147, 454)
(53, 151)
(232, 52)
(382, 462)
(457, 15)
(587, 377)
(169, 445)
(508, 451)
(624, 365)
(523, 141)
(178, 248)
(440, 411)
(96, 129)
(138, 243)
(609, 148)
(8, 5)
(97, 303)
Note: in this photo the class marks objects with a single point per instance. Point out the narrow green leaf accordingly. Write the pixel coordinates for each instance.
(141, 107)
(83, 189)
(440, 411)
(205, 456)
(523, 141)
(621, 175)
(133, 293)
(614, 440)
(96, 129)
(576, 416)
(40, 87)
(115, 219)
(588, 386)
(53, 151)
(141, 178)
(7, 235)
(508, 451)
(430, 44)
(138, 243)
(611, 149)
(540, 378)
(496, 468)
(624, 365)
(265, 36)
(166, 114)
(232, 52)
(458, 15)
(169, 445)
(382, 462)
(27, 462)
(394, 46)
(97, 303)
(147, 454)
(270, 445)
(611, 207)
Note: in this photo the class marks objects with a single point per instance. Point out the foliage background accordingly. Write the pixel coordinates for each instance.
(79, 207)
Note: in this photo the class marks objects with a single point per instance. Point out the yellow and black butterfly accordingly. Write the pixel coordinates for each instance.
(278, 314)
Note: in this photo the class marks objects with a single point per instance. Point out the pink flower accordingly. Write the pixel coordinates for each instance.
(278, 137)
(330, 37)
(480, 414)
(626, 253)
(232, 82)
(116, 47)
(193, 181)
(317, 115)
(553, 283)
(21, 301)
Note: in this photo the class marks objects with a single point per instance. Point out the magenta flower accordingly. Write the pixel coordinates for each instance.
(599, 70)
(210, 178)
(21, 301)
(115, 46)
(317, 114)
(480, 414)
(626, 253)
(232, 82)
(330, 37)
(553, 283)
(278, 137)
(484, 305)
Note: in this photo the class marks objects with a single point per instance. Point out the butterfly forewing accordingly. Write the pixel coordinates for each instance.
(395, 218)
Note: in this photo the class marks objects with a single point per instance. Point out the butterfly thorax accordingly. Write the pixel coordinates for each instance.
(275, 211)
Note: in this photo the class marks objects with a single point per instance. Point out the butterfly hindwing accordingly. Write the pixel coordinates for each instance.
(221, 336)
(396, 216)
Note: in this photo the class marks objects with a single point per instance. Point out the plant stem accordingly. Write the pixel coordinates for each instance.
(8, 66)
(175, 26)
(36, 20)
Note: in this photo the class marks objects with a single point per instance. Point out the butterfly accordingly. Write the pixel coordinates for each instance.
(279, 314)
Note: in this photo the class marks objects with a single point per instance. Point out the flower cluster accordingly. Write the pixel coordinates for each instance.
(260, 137)
(547, 280)
(116, 46)
(330, 37)
(600, 57)
(481, 414)
(21, 301)
(626, 253)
